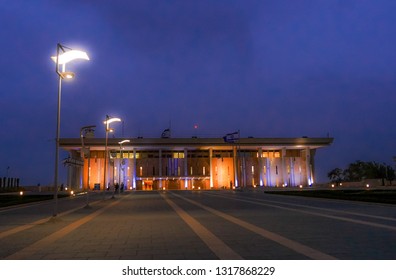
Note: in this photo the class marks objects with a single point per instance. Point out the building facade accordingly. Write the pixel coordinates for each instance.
(191, 163)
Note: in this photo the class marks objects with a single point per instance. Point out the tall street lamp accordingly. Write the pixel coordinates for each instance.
(107, 123)
(63, 55)
(121, 159)
(86, 131)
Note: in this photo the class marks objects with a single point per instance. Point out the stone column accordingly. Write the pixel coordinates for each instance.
(211, 167)
(284, 169)
(134, 170)
(160, 168)
(185, 169)
(268, 167)
(308, 166)
(261, 166)
(236, 167)
(292, 179)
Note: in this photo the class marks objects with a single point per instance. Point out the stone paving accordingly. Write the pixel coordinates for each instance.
(144, 226)
(134, 227)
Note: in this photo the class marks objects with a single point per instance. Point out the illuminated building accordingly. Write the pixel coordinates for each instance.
(194, 163)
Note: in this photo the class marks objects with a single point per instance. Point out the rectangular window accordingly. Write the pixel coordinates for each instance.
(203, 171)
(265, 154)
(141, 171)
(178, 155)
(292, 153)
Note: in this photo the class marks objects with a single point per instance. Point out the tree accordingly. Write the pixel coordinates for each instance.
(355, 171)
(360, 170)
(390, 174)
(336, 175)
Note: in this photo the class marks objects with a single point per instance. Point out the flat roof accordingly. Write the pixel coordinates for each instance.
(196, 143)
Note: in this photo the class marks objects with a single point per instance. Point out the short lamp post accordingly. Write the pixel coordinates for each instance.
(86, 131)
(121, 159)
(107, 123)
(63, 55)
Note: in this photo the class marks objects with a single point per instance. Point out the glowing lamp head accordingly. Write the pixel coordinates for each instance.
(70, 55)
(108, 121)
(124, 141)
(111, 120)
(67, 75)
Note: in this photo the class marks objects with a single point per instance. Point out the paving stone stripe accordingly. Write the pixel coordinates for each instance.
(319, 208)
(218, 247)
(345, 219)
(291, 244)
(26, 252)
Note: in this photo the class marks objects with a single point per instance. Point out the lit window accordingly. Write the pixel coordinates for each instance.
(178, 155)
(141, 170)
(203, 171)
(252, 170)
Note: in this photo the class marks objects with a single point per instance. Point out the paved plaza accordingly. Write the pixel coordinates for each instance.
(198, 225)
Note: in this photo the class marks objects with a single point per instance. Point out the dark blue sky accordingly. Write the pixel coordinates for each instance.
(279, 68)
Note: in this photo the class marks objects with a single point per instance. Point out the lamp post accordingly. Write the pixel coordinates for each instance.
(107, 123)
(86, 131)
(121, 159)
(63, 55)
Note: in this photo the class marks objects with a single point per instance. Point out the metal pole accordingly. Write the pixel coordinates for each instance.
(105, 161)
(58, 47)
(55, 213)
(114, 175)
(83, 132)
(119, 170)
(89, 169)
(82, 158)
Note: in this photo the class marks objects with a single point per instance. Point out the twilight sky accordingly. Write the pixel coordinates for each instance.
(270, 68)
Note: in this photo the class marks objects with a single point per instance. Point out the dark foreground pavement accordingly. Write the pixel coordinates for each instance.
(184, 225)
